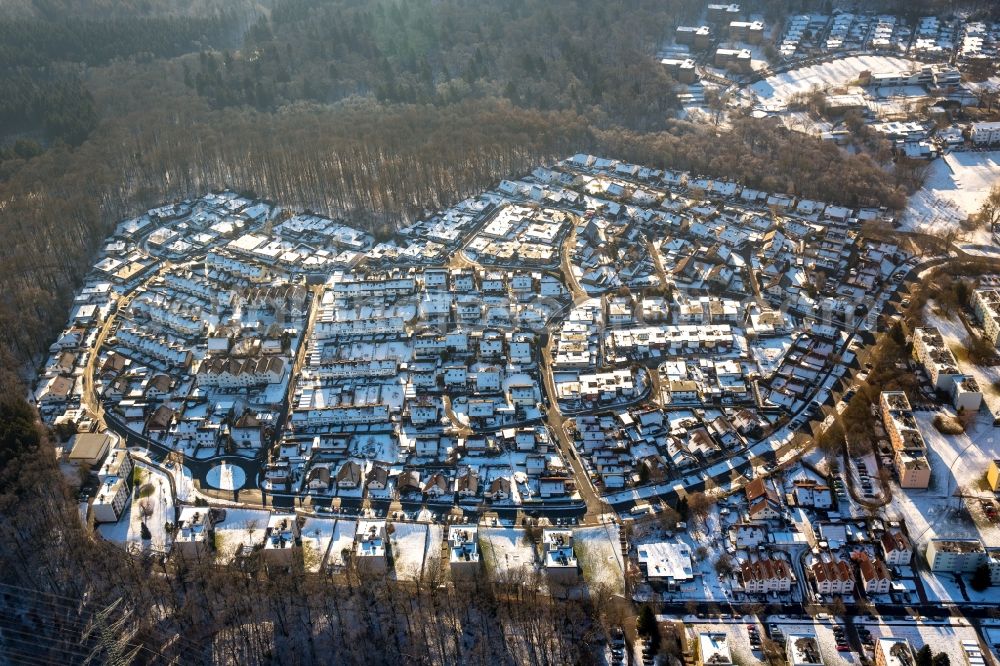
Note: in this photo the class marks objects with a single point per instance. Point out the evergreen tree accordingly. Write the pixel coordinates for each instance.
(981, 578)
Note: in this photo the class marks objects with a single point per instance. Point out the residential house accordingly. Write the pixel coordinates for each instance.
(378, 478)
(765, 576)
(896, 549)
(499, 489)
(463, 546)
(467, 483)
(349, 475)
(832, 577)
(812, 494)
(890, 651)
(875, 576)
(436, 486)
(763, 501)
(408, 482)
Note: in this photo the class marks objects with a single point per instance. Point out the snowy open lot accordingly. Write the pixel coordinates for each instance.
(343, 540)
(955, 188)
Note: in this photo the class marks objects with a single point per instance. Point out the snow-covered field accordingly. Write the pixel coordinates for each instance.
(957, 462)
(775, 91)
(955, 188)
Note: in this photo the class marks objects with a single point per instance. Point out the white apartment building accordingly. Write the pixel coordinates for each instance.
(955, 555)
(941, 366)
(986, 303)
(985, 133)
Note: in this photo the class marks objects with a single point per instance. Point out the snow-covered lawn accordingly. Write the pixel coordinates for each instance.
(955, 188)
(240, 528)
(226, 476)
(966, 455)
(409, 543)
(317, 534)
(506, 550)
(343, 540)
(775, 91)
(599, 552)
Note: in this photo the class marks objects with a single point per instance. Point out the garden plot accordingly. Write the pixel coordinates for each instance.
(380, 447)
(241, 528)
(317, 535)
(955, 187)
(599, 552)
(152, 502)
